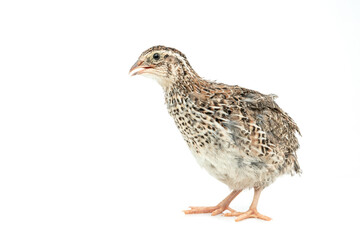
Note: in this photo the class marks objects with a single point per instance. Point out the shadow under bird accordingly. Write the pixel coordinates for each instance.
(240, 136)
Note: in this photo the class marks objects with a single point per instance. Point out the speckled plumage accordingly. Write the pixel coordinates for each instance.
(240, 136)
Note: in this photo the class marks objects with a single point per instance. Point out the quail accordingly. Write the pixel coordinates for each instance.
(240, 136)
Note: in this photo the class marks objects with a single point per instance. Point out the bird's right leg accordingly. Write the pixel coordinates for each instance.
(215, 210)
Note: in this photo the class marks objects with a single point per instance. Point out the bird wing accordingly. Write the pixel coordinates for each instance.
(249, 116)
(272, 131)
(279, 127)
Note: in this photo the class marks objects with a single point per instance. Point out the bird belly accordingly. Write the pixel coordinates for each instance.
(234, 169)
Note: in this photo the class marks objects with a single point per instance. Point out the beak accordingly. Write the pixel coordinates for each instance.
(138, 68)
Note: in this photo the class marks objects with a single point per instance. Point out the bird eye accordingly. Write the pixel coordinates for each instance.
(156, 56)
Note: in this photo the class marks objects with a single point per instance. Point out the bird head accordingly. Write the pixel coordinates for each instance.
(164, 64)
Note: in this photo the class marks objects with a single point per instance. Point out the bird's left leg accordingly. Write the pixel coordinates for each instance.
(215, 210)
(252, 212)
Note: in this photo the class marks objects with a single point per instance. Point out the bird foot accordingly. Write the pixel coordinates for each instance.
(251, 213)
(215, 210)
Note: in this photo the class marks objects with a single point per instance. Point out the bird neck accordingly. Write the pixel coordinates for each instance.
(185, 85)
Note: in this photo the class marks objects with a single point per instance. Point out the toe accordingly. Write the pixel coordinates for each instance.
(196, 210)
(217, 211)
(243, 216)
(263, 217)
(233, 214)
(252, 214)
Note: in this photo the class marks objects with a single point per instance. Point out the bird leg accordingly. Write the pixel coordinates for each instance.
(215, 210)
(252, 212)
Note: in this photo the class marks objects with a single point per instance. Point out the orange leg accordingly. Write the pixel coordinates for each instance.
(252, 212)
(215, 210)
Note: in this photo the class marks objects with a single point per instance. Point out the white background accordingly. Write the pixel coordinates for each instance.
(86, 152)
